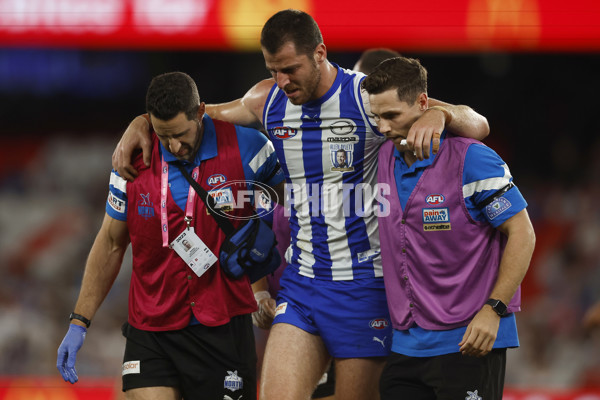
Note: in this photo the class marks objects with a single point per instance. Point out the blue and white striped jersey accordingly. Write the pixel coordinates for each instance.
(328, 150)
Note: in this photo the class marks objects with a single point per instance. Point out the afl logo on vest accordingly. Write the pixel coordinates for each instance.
(216, 179)
(283, 132)
(435, 199)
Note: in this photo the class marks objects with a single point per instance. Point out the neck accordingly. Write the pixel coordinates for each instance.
(409, 157)
(328, 75)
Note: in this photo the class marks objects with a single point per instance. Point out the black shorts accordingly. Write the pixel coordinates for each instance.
(327, 388)
(450, 376)
(201, 361)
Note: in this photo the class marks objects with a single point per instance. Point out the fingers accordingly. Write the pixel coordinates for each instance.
(65, 364)
(436, 142)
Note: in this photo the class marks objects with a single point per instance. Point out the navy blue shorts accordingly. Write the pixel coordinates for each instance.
(351, 317)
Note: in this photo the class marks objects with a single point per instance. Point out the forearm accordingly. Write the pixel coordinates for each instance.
(234, 112)
(102, 267)
(462, 120)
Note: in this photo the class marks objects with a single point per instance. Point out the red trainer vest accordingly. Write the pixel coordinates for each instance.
(164, 291)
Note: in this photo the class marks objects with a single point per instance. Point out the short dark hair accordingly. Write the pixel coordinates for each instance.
(293, 26)
(371, 58)
(172, 93)
(406, 75)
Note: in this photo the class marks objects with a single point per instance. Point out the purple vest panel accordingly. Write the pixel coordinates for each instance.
(439, 265)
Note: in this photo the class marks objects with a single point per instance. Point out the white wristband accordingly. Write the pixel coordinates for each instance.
(263, 294)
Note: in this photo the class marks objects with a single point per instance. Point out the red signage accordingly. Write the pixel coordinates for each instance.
(435, 25)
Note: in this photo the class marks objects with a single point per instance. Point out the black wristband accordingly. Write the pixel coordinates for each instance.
(81, 318)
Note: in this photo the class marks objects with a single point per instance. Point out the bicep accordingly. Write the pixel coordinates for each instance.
(115, 233)
(517, 224)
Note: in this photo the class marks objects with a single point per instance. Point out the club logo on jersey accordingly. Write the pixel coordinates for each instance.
(379, 323)
(497, 207)
(145, 206)
(283, 132)
(436, 219)
(343, 127)
(341, 157)
(216, 179)
(435, 199)
(233, 382)
(223, 198)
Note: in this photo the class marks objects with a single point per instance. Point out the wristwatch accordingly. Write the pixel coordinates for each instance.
(81, 318)
(498, 306)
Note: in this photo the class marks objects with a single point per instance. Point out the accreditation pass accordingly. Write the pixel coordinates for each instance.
(193, 251)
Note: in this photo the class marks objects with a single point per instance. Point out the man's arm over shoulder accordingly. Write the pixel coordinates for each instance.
(246, 111)
(137, 136)
(460, 120)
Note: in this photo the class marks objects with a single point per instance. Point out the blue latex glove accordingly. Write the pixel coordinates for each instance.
(68, 351)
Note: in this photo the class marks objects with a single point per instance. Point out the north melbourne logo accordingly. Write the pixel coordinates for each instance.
(233, 382)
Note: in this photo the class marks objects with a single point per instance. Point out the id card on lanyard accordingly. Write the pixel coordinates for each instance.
(192, 250)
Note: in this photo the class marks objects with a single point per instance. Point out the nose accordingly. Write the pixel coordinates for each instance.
(174, 145)
(383, 126)
(282, 79)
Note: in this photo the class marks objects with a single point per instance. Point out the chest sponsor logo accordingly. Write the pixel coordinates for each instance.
(436, 219)
(233, 382)
(223, 198)
(497, 207)
(145, 207)
(131, 367)
(216, 179)
(379, 323)
(343, 127)
(435, 199)
(283, 132)
(115, 203)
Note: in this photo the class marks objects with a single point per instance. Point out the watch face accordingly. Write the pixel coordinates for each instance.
(500, 308)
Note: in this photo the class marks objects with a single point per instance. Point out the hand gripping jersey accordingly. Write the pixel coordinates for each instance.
(328, 151)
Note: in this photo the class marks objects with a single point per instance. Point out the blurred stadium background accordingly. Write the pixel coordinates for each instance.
(73, 73)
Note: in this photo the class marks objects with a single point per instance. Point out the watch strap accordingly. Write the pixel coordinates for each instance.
(81, 318)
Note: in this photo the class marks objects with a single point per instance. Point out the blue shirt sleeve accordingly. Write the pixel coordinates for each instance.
(116, 203)
(258, 157)
(484, 174)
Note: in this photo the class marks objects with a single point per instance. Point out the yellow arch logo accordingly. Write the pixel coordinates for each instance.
(510, 24)
(243, 20)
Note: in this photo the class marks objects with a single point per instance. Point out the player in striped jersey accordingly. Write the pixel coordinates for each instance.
(332, 302)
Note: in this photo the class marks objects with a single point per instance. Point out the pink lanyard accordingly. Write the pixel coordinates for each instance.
(189, 206)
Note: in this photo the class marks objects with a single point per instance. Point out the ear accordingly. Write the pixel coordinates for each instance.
(423, 101)
(320, 53)
(201, 111)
